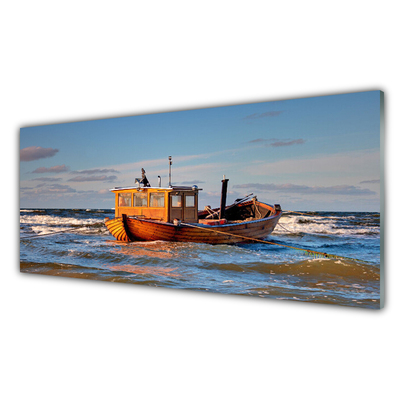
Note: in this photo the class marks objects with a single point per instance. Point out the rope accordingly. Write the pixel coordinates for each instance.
(296, 212)
(48, 234)
(208, 209)
(307, 251)
(256, 208)
(285, 228)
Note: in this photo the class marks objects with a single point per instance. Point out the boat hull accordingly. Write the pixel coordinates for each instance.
(135, 229)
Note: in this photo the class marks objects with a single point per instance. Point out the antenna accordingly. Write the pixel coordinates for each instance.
(170, 163)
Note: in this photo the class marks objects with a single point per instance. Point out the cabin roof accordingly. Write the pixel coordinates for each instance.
(171, 188)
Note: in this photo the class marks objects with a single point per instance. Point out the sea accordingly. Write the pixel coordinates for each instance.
(75, 243)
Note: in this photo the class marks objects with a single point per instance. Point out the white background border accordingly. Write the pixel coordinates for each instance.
(71, 339)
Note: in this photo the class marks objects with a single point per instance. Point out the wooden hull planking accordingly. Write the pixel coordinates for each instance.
(117, 227)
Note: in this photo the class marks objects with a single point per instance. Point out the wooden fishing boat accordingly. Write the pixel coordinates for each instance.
(145, 213)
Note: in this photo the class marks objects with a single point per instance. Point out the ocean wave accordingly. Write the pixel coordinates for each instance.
(326, 225)
(274, 270)
(56, 220)
(47, 224)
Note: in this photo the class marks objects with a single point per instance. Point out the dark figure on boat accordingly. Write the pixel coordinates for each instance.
(144, 180)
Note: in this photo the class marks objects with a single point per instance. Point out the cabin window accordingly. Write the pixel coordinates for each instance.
(124, 200)
(176, 200)
(156, 199)
(139, 199)
(189, 201)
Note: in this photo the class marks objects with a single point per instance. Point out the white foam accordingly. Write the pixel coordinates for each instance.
(44, 224)
(53, 220)
(320, 225)
(43, 229)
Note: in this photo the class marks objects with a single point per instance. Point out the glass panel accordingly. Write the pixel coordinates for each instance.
(156, 199)
(189, 201)
(176, 200)
(140, 200)
(124, 199)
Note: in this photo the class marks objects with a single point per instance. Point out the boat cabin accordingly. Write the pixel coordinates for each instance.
(157, 203)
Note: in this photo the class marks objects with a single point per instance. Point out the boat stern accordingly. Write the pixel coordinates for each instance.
(117, 228)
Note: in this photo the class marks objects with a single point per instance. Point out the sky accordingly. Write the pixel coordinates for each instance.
(311, 154)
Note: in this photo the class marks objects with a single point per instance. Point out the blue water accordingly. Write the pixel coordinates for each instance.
(83, 248)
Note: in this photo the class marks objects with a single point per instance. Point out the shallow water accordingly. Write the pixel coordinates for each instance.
(253, 269)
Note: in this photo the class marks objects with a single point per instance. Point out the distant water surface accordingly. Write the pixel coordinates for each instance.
(88, 251)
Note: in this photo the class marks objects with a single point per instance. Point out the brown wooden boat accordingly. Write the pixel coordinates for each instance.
(145, 213)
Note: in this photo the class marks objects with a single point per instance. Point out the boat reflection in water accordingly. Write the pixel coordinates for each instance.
(145, 270)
